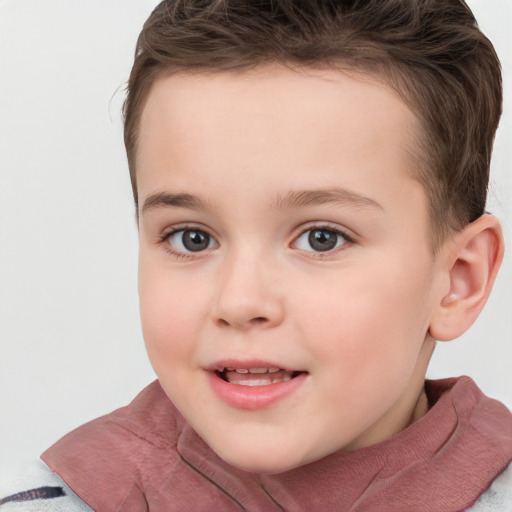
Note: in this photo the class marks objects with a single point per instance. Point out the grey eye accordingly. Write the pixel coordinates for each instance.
(320, 240)
(191, 240)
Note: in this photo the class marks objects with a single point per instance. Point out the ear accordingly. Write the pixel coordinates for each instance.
(470, 261)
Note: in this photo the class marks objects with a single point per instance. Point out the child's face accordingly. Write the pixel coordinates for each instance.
(280, 227)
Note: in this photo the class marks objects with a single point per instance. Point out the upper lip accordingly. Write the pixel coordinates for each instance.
(247, 364)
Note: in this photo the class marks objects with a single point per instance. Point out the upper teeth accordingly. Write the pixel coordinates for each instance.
(248, 370)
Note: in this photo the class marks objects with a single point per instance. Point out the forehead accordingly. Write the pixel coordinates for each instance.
(280, 122)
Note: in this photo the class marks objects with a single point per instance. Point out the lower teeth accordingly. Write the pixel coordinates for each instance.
(260, 382)
(257, 381)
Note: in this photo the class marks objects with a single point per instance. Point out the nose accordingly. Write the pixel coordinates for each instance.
(247, 295)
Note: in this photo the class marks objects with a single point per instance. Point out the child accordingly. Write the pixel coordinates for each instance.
(310, 182)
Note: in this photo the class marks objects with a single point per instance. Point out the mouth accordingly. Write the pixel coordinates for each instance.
(258, 376)
(254, 386)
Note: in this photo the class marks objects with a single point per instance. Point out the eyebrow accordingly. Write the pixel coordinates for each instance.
(290, 200)
(167, 199)
(341, 196)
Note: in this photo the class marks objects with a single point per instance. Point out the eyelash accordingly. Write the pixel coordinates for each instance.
(163, 240)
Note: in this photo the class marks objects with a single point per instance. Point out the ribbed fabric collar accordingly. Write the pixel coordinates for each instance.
(146, 457)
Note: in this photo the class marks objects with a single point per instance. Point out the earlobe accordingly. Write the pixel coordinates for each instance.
(471, 260)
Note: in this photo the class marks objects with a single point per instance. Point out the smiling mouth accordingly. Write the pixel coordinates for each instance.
(255, 376)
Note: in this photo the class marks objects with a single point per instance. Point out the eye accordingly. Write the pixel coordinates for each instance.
(190, 240)
(321, 240)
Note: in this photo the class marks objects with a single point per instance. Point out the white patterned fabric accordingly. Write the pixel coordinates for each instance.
(35, 488)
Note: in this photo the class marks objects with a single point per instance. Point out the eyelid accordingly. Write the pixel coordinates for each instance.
(184, 226)
(349, 234)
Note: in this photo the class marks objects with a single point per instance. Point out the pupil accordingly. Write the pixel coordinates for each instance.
(322, 239)
(195, 240)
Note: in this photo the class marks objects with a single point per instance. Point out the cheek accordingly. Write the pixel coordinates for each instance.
(376, 314)
(168, 315)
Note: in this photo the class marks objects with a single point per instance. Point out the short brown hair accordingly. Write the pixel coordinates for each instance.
(430, 51)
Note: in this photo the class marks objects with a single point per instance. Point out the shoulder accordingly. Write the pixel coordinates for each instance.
(35, 488)
(150, 420)
(498, 497)
(110, 459)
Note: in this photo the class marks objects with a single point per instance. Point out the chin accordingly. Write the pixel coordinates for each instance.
(263, 461)
(258, 466)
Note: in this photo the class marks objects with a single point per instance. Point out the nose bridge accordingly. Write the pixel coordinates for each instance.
(246, 294)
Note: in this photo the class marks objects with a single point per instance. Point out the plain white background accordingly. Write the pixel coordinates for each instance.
(71, 344)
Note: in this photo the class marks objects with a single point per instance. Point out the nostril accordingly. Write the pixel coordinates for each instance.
(259, 320)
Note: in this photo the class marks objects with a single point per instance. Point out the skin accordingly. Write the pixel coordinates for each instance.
(355, 318)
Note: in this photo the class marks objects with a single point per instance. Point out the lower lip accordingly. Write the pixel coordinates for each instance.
(253, 398)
